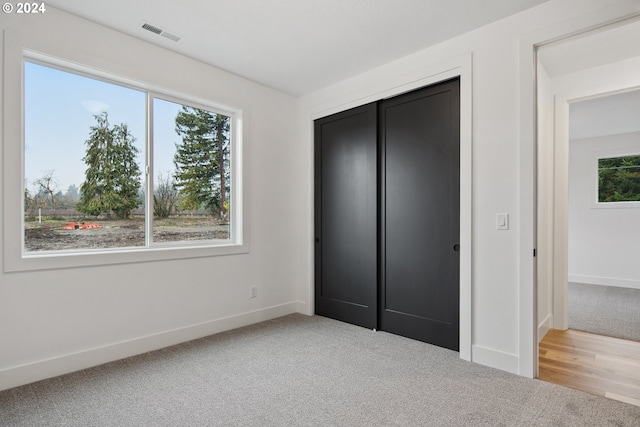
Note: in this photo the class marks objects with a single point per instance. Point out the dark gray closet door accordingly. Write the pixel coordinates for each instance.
(346, 216)
(420, 214)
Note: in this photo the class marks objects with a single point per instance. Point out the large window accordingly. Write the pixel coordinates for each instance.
(619, 179)
(111, 166)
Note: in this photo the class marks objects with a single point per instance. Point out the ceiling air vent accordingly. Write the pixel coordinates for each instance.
(170, 36)
(160, 32)
(151, 28)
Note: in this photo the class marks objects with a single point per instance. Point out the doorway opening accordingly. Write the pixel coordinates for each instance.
(585, 86)
(603, 214)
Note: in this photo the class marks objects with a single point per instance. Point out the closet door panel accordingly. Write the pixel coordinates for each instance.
(346, 216)
(420, 227)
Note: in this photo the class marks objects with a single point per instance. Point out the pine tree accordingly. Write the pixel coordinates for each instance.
(201, 160)
(112, 178)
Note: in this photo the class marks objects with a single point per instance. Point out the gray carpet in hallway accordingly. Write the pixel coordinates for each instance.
(605, 310)
(303, 371)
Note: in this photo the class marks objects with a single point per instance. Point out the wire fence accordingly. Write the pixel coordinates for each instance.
(72, 214)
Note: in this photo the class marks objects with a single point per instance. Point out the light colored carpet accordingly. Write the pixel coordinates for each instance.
(605, 310)
(304, 371)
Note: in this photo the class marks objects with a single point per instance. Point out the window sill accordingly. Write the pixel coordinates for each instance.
(615, 205)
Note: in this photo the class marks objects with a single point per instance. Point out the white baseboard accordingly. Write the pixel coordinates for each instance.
(605, 281)
(36, 371)
(304, 308)
(495, 359)
(544, 326)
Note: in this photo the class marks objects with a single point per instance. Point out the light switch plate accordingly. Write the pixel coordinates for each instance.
(502, 221)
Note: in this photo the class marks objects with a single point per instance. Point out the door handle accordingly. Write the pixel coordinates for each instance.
(456, 247)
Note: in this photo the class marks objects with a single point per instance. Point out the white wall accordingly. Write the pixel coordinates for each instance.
(60, 320)
(604, 243)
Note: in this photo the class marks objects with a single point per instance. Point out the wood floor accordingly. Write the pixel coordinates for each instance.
(596, 364)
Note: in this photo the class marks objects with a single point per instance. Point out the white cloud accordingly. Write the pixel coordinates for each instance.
(95, 107)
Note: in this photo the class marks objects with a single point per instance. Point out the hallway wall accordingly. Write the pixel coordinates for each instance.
(604, 242)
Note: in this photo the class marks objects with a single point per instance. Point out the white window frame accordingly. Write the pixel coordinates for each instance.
(15, 256)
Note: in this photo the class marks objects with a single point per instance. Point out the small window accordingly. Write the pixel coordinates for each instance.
(619, 179)
(111, 166)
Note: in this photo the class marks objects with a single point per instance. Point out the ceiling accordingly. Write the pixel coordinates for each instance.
(609, 114)
(296, 46)
(604, 46)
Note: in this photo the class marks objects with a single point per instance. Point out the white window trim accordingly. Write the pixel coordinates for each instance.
(595, 204)
(13, 158)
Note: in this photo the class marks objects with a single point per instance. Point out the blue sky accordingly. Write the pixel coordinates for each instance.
(59, 111)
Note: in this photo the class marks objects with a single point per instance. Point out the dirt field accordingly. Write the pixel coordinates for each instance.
(50, 235)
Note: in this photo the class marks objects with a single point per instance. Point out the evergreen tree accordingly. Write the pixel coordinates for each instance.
(202, 159)
(72, 193)
(112, 178)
